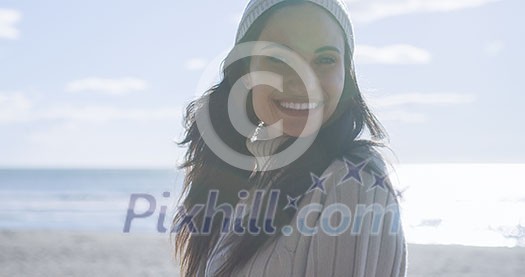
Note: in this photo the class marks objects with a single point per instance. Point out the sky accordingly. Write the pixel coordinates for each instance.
(105, 83)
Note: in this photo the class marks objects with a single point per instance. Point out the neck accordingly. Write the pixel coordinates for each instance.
(263, 150)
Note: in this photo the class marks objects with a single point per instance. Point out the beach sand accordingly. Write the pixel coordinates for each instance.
(50, 253)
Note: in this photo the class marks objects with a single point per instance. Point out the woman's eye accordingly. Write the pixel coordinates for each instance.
(326, 60)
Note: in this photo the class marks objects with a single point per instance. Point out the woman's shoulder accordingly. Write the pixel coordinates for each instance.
(359, 176)
(368, 152)
(357, 223)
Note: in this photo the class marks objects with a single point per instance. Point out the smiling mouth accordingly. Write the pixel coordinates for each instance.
(297, 108)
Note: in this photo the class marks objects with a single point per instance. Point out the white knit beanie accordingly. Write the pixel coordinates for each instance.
(337, 8)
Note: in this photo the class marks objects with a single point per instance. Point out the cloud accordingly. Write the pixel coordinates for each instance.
(422, 99)
(14, 107)
(391, 108)
(8, 20)
(373, 10)
(93, 145)
(402, 116)
(493, 48)
(392, 54)
(110, 86)
(66, 135)
(17, 108)
(196, 64)
(107, 113)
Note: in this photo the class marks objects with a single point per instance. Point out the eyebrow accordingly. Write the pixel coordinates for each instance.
(321, 49)
(328, 48)
(276, 45)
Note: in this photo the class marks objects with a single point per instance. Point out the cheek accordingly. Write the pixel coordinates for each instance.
(333, 85)
(262, 103)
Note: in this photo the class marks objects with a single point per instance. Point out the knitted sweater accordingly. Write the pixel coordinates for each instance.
(366, 247)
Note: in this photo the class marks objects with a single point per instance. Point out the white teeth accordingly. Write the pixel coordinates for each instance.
(299, 106)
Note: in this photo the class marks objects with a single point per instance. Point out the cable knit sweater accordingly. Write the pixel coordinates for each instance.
(345, 253)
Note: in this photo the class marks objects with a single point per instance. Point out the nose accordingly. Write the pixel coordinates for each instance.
(293, 84)
(301, 85)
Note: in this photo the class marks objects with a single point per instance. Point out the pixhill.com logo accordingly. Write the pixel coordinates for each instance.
(245, 215)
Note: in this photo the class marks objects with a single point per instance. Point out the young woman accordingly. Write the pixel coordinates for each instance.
(330, 210)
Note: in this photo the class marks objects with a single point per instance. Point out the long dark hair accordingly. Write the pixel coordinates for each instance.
(205, 171)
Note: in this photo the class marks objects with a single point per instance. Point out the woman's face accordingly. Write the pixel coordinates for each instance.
(310, 32)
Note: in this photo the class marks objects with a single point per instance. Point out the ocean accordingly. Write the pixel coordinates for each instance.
(465, 204)
(91, 200)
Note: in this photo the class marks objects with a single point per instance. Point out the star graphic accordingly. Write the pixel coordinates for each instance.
(292, 202)
(353, 171)
(400, 194)
(379, 181)
(317, 183)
